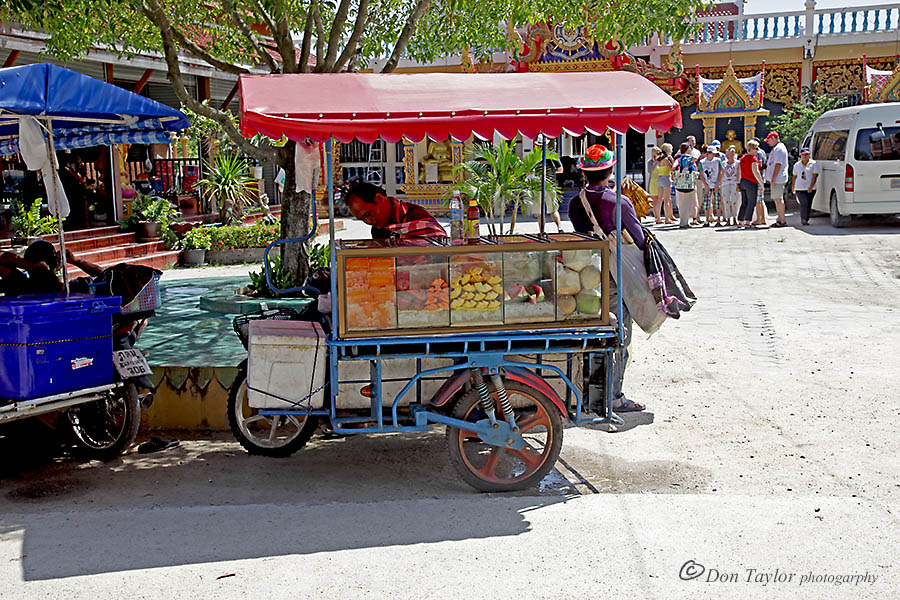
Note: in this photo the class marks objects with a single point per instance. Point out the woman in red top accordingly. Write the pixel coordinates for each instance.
(751, 179)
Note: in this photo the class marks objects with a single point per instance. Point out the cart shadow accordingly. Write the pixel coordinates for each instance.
(211, 502)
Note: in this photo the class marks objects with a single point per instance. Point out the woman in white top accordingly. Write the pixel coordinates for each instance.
(806, 172)
(731, 178)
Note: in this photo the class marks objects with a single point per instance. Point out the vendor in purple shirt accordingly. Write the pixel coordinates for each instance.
(597, 165)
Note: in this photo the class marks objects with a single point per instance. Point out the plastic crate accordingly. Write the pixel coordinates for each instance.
(147, 299)
(51, 344)
(241, 323)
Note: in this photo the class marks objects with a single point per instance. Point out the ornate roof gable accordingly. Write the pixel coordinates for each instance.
(729, 93)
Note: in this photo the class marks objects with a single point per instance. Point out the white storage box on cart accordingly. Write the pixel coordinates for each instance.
(287, 359)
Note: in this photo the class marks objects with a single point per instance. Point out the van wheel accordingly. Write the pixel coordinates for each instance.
(837, 219)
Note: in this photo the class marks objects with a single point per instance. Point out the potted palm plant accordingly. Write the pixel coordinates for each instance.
(228, 185)
(28, 224)
(195, 244)
(498, 179)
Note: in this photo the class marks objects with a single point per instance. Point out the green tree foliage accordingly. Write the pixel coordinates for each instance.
(292, 36)
(793, 124)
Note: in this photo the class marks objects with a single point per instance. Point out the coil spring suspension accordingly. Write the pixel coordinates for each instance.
(485, 396)
(503, 400)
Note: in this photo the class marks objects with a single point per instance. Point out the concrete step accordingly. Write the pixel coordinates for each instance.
(96, 243)
(157, 260)
(124, 252)
(71, 236)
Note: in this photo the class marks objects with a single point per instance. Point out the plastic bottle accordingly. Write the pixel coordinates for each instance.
(472, 225)
(457, 220)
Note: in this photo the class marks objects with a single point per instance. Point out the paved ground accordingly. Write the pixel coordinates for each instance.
(770, 443)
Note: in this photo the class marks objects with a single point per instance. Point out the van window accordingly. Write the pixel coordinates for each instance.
(830, 145)
(875, 144)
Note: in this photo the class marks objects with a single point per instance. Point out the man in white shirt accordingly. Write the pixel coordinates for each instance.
(711, 174)
(777, 174)
(806, 173)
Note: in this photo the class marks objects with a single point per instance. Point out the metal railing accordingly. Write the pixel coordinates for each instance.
(882, 18)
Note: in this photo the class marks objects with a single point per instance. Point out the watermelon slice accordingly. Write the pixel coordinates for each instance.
(537, 293)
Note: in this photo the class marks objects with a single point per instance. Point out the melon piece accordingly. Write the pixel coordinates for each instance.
(588, 302)
(576, 259)
(537, 293)
(568, 283)
(566, 305)
(506, 296)
(590, 277)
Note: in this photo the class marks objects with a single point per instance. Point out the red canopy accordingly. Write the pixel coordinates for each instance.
(367, 106)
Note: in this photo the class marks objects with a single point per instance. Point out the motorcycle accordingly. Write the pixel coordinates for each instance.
(102, 421)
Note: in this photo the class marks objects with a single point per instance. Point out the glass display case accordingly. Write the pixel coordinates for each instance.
(523, 282)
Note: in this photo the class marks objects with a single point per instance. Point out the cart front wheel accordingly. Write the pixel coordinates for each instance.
(265, 435)
(490, 468)
(104, 429)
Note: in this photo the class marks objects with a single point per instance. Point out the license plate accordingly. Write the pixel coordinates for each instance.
(895, 184)
(130, 363)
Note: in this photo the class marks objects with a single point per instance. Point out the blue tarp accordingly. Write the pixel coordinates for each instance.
(47, 90)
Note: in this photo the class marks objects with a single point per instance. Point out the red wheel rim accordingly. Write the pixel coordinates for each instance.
(504, 466)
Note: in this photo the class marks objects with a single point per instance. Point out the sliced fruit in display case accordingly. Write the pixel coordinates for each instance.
(423, 294)
(370, 293)
(530, 288)
(476, 283)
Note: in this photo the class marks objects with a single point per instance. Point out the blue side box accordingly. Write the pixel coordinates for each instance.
(52, 344)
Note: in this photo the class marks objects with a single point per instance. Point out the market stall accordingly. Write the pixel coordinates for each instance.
(491, 309)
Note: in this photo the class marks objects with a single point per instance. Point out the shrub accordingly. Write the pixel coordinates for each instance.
(230, 237)
(197, 239)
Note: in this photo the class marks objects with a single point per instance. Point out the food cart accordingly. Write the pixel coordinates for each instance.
(484, 337)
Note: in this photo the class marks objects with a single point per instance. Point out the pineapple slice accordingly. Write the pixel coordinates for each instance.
(497, 288)
(483, 305)
(470, 287)
(455, 292)
(468, 295)
(491, 295)
(494, 304)
(457, 303)
(469, 304)
(478, 297)
(494, 280)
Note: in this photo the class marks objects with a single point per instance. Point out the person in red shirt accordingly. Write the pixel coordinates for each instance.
(751, 179)
(389, 217)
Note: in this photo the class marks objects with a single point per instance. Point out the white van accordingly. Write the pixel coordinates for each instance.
(858, 150)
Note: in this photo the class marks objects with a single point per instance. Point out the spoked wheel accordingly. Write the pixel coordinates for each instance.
(490, 468)
(104, 429)
(279, 435)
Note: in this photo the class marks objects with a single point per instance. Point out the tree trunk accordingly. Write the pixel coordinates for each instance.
(295, 207)
(512, 221)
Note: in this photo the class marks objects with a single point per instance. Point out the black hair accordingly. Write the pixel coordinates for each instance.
(42, 281)
(42, 251)
(599, 175)
(365, 192)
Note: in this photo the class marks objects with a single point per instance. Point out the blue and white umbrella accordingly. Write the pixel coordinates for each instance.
(44, 108)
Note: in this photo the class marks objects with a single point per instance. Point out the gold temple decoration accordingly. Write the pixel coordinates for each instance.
(727, 98)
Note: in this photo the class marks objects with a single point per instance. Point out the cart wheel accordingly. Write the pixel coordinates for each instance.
(265, 435)
(104, 429)
(490, 468)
